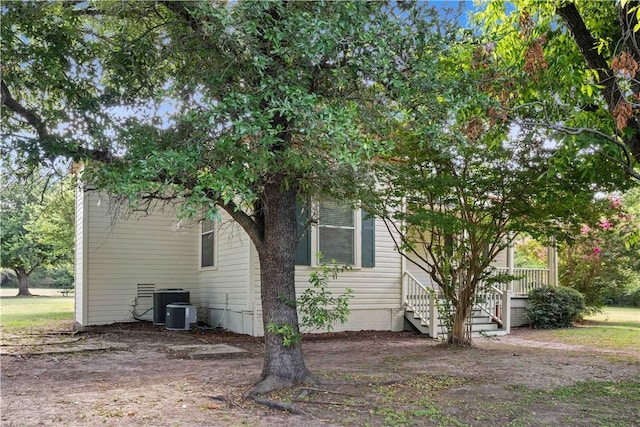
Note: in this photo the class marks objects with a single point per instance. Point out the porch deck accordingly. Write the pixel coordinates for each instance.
(527, 279)
(493, 311)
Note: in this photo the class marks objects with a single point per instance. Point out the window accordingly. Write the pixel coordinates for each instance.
(339, 233)
(207, 244)
(336, 232)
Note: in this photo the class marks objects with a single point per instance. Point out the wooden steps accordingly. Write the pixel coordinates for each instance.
(482, 324)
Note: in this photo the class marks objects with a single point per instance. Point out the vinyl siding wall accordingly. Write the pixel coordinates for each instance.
(377, 295)
(499, 261)
(225, 287)
(121, 253)
(158, 249)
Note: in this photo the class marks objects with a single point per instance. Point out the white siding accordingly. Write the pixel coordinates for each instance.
(377, 292)
(519, 315)
(225, 287)
(418, 273)
(154, 249)
(501, 259)
(123, 252)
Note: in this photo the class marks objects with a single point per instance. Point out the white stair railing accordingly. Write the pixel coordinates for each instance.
(422, 302)
(491, 302)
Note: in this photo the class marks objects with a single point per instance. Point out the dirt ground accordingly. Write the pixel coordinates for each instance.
(124, 375)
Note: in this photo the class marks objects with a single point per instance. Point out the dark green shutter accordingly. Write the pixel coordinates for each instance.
(303, 250)
(448, 244)
(368, 240)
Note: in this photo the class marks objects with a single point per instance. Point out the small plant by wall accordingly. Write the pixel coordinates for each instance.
(318, 308)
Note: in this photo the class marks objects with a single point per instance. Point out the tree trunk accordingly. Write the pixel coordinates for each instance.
(459, 334)
(283, 364)
(23, 282)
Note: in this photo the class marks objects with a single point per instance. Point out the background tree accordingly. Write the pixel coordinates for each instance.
(242, 106)
(599, 261)
(529, 253)
(581, 60)
(37, 225)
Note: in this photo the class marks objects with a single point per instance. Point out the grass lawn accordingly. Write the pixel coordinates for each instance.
(35, 313)
(616, 328)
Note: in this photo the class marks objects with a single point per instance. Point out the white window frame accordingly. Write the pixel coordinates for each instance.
(213, 231)
(315, 237)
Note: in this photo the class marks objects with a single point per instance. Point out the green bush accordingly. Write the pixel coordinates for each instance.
(555, 307)
(631, 298)
(8, 279)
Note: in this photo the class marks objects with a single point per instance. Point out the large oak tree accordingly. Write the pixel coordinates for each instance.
(240, 106)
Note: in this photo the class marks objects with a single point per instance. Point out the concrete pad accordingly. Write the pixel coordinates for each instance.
(37, 350)
(207, 351)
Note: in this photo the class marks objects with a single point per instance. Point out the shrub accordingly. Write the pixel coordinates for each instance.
(8, 279)
(555, 307)
(631, 298)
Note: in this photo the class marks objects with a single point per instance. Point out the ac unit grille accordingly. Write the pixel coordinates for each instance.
(146, 290)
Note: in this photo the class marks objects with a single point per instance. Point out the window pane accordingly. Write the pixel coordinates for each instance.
(337, 243)
(206, 259)
(207, 226)
(332, 213)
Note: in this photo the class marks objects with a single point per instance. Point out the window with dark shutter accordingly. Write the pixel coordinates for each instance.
(338, 234)
(368, 237)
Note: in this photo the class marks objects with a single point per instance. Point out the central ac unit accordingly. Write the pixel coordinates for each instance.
(180, 316)
(163, 297)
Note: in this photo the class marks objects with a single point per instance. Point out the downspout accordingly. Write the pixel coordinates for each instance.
(403, 281)
(251, 305)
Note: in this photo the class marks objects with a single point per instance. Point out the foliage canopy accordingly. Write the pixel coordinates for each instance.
(240, 106)
(578, 60)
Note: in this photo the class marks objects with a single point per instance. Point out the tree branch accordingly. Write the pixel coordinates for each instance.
(628, 21)
(627, 164)
(7, 100)
(180, 9)
(36, 122)
(611, 92)
(249, 225)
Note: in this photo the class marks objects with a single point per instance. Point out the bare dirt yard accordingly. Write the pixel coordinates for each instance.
(127, 375)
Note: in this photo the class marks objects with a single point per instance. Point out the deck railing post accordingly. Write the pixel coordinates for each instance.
(433, 315)
(404, 285)
(552, 263)
(506, 311)
(510, 261)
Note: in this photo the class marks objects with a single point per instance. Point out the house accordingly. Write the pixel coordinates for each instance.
(122, 258)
